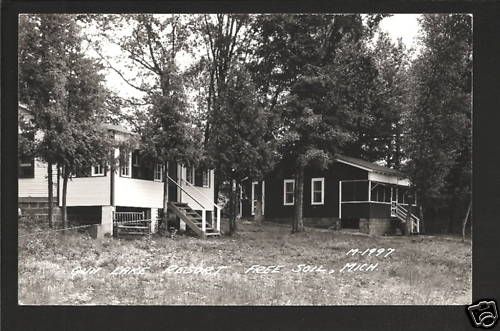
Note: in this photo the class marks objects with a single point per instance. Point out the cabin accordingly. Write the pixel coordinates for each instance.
(126, 197)
(350, 193)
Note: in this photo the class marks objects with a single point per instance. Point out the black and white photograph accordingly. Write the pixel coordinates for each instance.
(222, 159)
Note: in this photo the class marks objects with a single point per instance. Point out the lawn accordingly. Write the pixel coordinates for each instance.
(264, 265)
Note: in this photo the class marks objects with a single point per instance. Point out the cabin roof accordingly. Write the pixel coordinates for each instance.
(368, 166)
(117, 128)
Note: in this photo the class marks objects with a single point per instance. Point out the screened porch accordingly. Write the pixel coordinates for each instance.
(372, 199)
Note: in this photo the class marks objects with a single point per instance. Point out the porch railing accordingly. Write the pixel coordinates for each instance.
(120, 217)
(402, 214)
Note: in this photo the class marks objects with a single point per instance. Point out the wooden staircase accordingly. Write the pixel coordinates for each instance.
(402, 214)
(192, 219)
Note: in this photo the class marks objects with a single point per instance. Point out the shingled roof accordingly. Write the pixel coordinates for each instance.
(369, 166)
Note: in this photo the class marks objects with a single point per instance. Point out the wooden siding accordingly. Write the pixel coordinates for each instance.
(140, 193)
(366, 210)
(380, 210)
(87, 191)
(274, 207)
(355, 210)
(37, 186)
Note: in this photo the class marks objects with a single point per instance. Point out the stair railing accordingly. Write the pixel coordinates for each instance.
(402, 213)
(217, 207)
(203, 210)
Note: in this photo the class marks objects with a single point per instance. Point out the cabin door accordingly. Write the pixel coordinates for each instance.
(172, 188)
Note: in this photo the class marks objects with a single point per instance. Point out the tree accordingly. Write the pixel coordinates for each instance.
(241, 143)
(225, 43)
(63, 91)
(438, 121)
(313, 70)
(152, 47)
(382, 138)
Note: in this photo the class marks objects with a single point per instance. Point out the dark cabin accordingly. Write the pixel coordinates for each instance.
(351, 193)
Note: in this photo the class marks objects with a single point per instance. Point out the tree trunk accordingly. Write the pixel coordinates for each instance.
(216, 186)
(165, 198)
(298, 224)
(421, 216)
(51, 192)
(465, 219)
(64, 194)
(408, 220)
(232, 209)
(258, 212)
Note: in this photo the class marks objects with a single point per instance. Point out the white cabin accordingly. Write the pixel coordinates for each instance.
(98, 194)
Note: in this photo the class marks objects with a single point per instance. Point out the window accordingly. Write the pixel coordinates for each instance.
(288, 192)
(190, 175)
(158, 173)
(126, 164)
(97, 170)
(317, 191)
(380, 193)
(26, 167)
(136, 159)
(206, 178)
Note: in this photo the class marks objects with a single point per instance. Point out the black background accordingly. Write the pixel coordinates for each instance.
(486, 188)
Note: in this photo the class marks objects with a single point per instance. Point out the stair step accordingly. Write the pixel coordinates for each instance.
(212, 234)
(134, 233)
(132, 227)
(180, 204)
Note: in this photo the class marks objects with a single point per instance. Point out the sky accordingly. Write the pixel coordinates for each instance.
(403, 26)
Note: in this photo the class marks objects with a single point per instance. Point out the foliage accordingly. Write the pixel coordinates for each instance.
(317, 71)
(418, 272)
(64, 93)
(438, 122)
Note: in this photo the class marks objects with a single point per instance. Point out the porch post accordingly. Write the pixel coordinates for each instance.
(340, 199)
(218, 219)
(106, 226)
(369, 190)
(154, 220)
(203, 221)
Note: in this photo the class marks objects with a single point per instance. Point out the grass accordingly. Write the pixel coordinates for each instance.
(422, 270)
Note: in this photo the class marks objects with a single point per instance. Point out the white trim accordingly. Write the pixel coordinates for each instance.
(97, 174)
(155, 170)
(207, 173)
(385, 203)
(263, 196)
(252, 201)
(388, 179)
(340, 199)
(354, 165)
(240, 212)
(322, 181)
(286, 181)
(369, 190)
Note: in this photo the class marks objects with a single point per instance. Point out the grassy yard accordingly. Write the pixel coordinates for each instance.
(421, 270)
